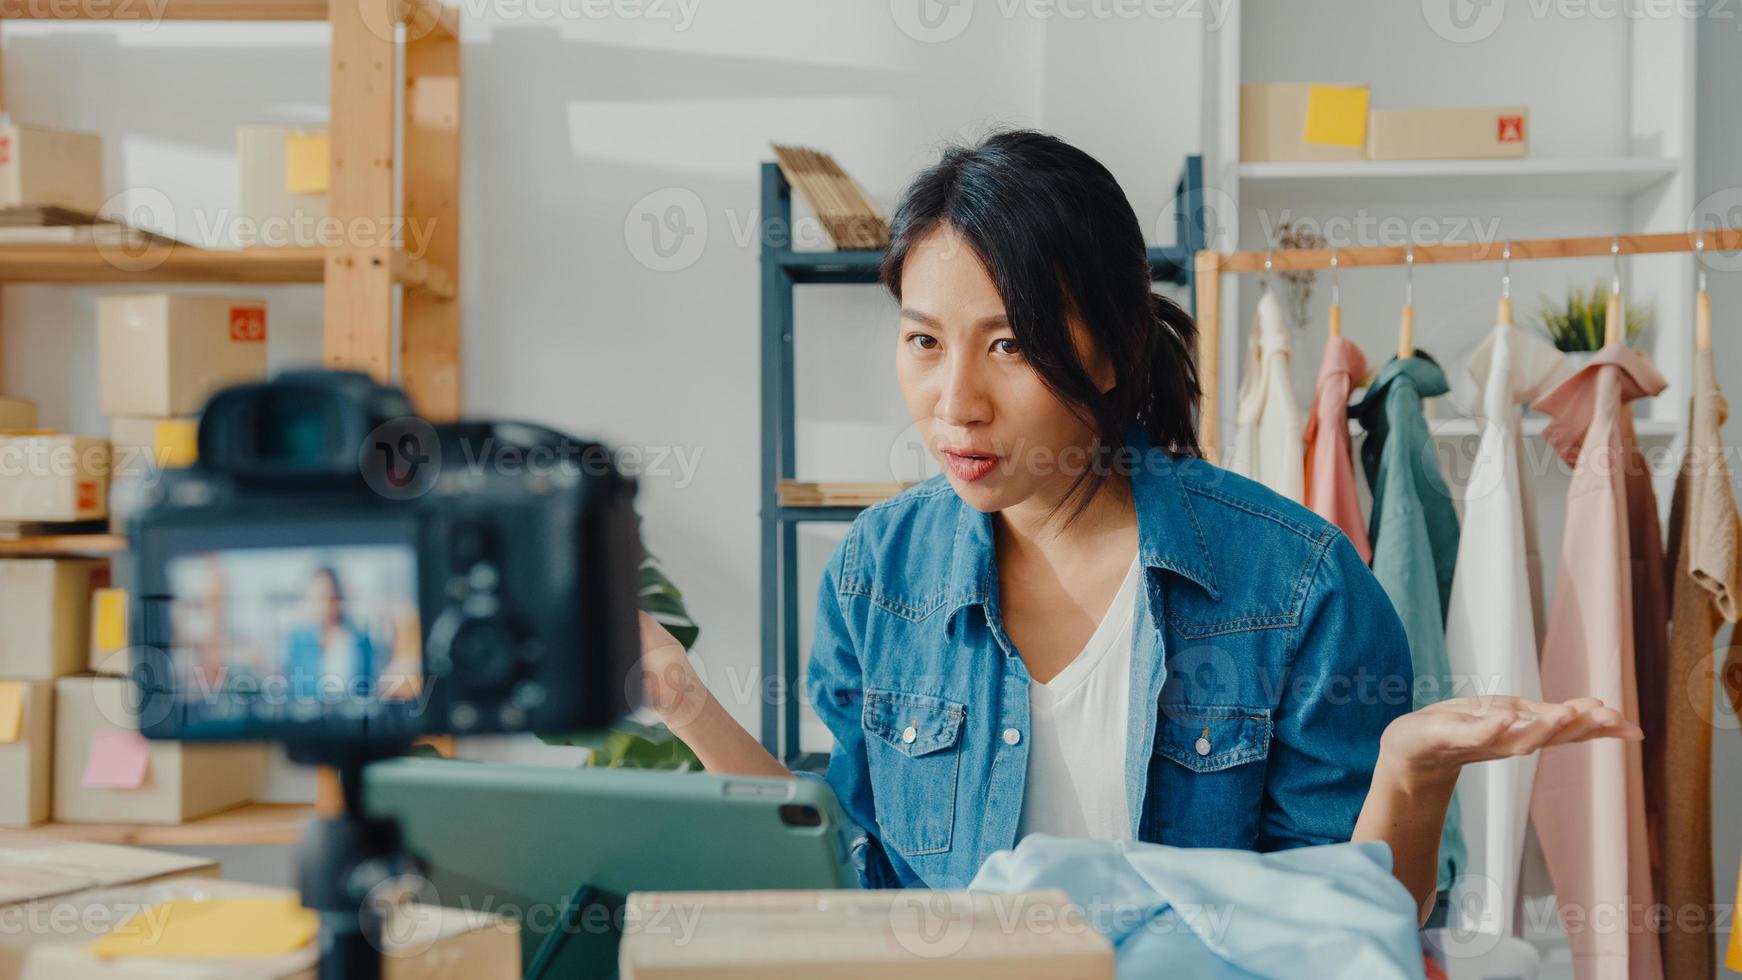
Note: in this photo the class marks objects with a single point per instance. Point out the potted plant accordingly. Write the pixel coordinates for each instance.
(1575, 325)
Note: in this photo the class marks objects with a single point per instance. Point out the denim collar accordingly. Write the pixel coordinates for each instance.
(1168, 534)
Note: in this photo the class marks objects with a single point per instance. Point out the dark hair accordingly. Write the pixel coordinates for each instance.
(1060, 240)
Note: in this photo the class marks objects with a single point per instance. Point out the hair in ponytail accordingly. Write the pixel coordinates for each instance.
(1059, 239)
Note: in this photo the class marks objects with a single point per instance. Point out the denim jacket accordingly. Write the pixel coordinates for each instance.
(1266, 663)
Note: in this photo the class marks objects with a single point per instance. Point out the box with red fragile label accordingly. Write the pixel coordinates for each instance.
(1462, 133)
(164, 354)
(49, 477)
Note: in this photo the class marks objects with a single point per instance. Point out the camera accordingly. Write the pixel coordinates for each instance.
(335, 568)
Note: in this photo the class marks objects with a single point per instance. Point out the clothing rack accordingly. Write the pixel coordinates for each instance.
(1210, 264)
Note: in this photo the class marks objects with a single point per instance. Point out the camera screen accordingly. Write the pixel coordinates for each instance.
(299, 632)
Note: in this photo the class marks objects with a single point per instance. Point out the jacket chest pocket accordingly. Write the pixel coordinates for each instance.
(913, 751)
(1206, 776)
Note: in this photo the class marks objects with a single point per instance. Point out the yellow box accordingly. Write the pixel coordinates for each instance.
(164, 354)
(26, 751)
(1273, 124)
(182, 780)
(45, 610)
(41, 167)
(1465, 133)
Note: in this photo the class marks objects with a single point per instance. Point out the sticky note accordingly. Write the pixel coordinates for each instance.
(111, 619)
(117, 760)
(1336, 115)
(11, 710)
(305, 163)
(177, 443)
(224, 927)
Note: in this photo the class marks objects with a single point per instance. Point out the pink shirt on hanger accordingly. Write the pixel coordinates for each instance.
(1589, 799)
(1330, 468)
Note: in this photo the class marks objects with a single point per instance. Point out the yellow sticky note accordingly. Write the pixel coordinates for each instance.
(1336, 115)
(111, 619)
(11, 710)
(188, 927)
(177, 441)
(305, 163)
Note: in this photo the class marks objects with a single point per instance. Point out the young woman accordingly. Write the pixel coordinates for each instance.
(1081, 627)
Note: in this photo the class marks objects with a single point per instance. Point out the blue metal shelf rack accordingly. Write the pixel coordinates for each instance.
(782, 270)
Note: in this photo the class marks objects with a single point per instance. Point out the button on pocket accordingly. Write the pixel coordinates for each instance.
(1206, 738)
(912, 750)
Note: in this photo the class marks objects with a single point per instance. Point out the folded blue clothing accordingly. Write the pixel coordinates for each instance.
(1332, 910)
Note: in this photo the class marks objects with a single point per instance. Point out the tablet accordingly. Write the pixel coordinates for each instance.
(524, 841)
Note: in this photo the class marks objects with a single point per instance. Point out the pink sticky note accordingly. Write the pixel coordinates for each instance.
(117, 760)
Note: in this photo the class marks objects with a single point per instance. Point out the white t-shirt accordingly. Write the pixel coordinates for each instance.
(1077, 734)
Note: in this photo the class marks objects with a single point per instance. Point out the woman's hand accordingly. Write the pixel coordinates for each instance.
(1420, 756)
(674, 690)
(669, 683)
(1426, 748)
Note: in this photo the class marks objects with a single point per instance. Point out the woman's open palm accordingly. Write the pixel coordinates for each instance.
(1440, 738)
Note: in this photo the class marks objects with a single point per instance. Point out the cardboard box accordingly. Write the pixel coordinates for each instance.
(144, 446)
(284, 184)
(423, 941)
(164, 354)
(159, 782)
(1273, 124)
(50, 477)
(38, 869)
(26, 751)
(42, 167)
(109, 653)
(17, 414)
(1465, 133)
(45, 610)
(914, 934)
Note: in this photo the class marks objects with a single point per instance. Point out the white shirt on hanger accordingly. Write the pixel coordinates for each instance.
(1268, 428)
(1077, 734)
(1495, 621)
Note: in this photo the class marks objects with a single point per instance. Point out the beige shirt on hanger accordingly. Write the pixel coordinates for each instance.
(1268, 429)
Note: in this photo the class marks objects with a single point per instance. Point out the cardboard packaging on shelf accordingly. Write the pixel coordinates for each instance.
(26, 752)
(45, 609)
(1274, 120)
(164, 354)
(17, 414)
(49, 872)
(109, 653)
(47, 477)
(146, 445)
(914, 934)
(105, 772)
(41, 167)
(284, 185)
(1462, 133)
(421, 941)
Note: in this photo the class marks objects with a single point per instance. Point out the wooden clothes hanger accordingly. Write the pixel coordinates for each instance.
(1702, 301)
(1336, 296)
(1504, 316)
(1614, 330)
(1406, 324)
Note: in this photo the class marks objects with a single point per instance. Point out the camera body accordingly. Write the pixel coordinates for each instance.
(335, 568)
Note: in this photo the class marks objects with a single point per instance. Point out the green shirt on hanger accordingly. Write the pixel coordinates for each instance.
(1414, 533)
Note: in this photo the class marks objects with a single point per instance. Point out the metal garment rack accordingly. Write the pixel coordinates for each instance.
(783, 509)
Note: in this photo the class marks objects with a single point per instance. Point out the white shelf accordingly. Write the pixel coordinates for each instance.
(1418, 179)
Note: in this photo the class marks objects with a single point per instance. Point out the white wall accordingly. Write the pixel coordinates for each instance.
(576, 128)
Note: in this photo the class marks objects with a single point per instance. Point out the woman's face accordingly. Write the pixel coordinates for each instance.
(1003, 438)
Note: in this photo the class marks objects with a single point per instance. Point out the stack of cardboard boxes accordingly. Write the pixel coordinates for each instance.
(69, 741)
(1332, 121)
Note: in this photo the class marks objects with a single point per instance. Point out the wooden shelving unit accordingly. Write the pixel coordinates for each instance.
(257, 824)
(793, 493)
(383, 79)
